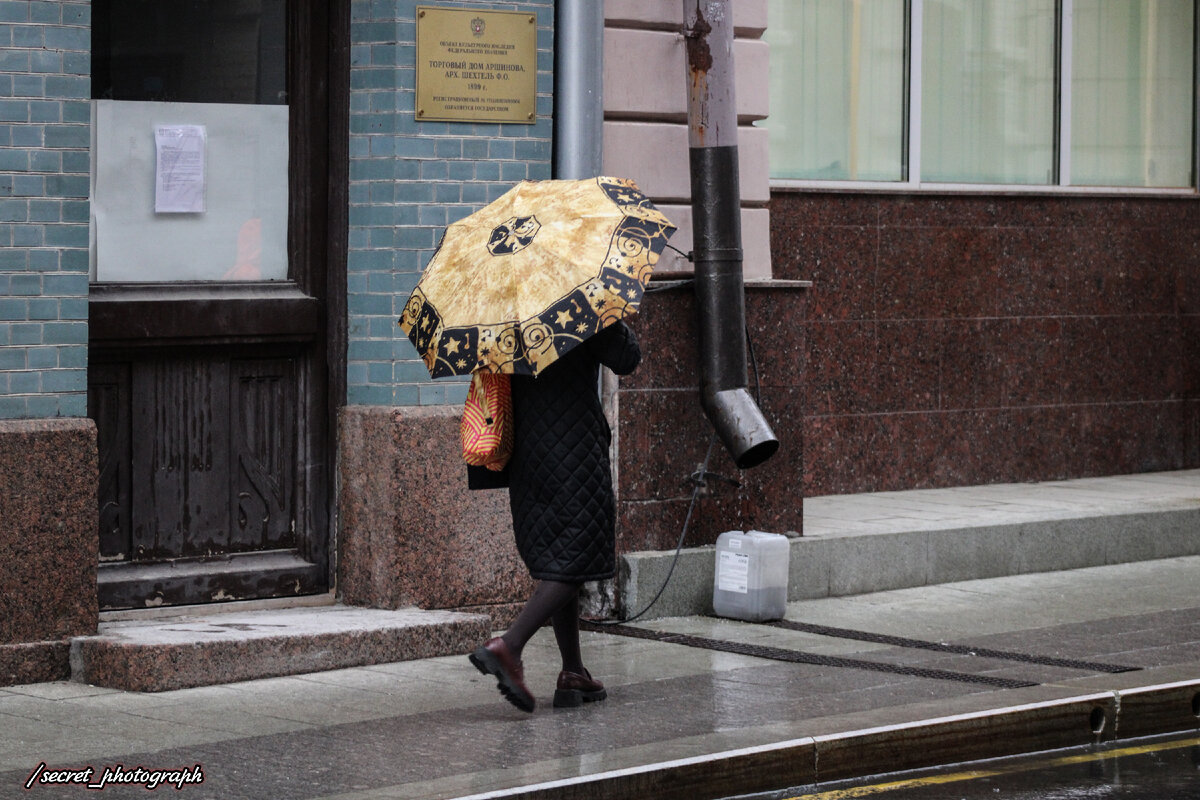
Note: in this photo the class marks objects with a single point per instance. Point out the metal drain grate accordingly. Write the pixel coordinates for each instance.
(958, 649)
(800, 657)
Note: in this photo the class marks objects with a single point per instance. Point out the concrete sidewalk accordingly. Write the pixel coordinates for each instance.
(706, 708)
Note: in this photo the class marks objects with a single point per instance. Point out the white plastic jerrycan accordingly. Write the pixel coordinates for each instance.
(751, 577)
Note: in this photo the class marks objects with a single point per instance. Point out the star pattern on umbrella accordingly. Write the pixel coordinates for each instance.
(609, 259)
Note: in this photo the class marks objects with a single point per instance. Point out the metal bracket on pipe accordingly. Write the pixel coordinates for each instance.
(718, 254)
(701, 477)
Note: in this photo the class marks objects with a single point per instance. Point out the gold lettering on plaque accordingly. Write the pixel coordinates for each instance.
(476, 65)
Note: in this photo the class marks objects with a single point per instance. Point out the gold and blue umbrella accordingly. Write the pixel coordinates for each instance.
(523, 280)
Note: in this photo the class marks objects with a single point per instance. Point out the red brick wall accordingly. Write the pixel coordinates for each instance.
(957, 340)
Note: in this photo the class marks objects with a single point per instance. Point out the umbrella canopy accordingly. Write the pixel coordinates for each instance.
(528, 277)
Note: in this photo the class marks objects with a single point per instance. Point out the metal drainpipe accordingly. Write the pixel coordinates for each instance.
(578, 154)
(579, 89)
(579, 132)
(717, 234)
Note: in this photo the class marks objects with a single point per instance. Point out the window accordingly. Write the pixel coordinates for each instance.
(1131, 87)
(193, 51)
(837, 89)
(1014, 93)
(211, 74)
(987, 91)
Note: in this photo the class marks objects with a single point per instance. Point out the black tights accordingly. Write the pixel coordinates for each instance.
(558, 602)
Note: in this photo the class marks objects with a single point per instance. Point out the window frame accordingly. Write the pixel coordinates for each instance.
(914, 11)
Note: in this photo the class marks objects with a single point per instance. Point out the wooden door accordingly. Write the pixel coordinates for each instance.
(213, 396)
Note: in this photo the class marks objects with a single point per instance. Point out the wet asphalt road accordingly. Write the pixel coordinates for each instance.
(1152, 769)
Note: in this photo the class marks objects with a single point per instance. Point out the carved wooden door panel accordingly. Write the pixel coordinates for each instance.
(202, 492)
(211, 394)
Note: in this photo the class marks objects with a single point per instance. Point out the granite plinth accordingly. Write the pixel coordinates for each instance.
(411, 532)
(48, 524)
(185, 651)
(34, 662)
(501, 615)
(957, 340)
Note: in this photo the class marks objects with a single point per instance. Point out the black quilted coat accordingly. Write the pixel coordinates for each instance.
(560, 486)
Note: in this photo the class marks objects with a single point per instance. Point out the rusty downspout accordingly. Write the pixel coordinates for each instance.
(717, 234)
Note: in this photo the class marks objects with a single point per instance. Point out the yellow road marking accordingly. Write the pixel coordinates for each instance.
(878, 788)
(970, 775)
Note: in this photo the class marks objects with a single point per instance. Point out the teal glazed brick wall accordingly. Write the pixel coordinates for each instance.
(409, 179)
(45, 123)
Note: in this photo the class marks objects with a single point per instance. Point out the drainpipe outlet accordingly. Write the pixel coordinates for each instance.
(741, 425)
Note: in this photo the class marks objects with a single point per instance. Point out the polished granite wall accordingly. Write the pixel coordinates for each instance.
(410, 532)
(665, 436)
(946, 341)
(48, 544)
(967, 340)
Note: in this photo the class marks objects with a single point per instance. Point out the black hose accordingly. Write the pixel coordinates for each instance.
(698, 484)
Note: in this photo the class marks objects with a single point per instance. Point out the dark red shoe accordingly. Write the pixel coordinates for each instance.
(575, 689)
(494, 657)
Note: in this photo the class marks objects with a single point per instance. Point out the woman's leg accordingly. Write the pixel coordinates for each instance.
(547, 600)
(566, 633)
(576, 685)
(551, 600)
(502, 656)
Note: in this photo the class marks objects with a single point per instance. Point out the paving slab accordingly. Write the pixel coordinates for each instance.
(773, 706)
(680, 721)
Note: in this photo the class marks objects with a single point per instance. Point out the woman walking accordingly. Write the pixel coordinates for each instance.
(563, 509)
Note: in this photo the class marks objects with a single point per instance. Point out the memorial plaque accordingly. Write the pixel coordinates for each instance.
(476, 65)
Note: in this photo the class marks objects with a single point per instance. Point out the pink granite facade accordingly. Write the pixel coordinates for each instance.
(959, 340)
(48, 545)
(664, 434)
(410, 531)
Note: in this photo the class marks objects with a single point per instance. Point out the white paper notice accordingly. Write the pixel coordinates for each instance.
(179, 177)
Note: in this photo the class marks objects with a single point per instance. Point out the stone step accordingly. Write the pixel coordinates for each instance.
(860, 544)
(205, 647)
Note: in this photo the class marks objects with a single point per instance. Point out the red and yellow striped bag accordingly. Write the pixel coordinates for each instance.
(487, 421)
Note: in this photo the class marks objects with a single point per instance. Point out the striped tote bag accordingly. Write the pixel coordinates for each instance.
(487, 421)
